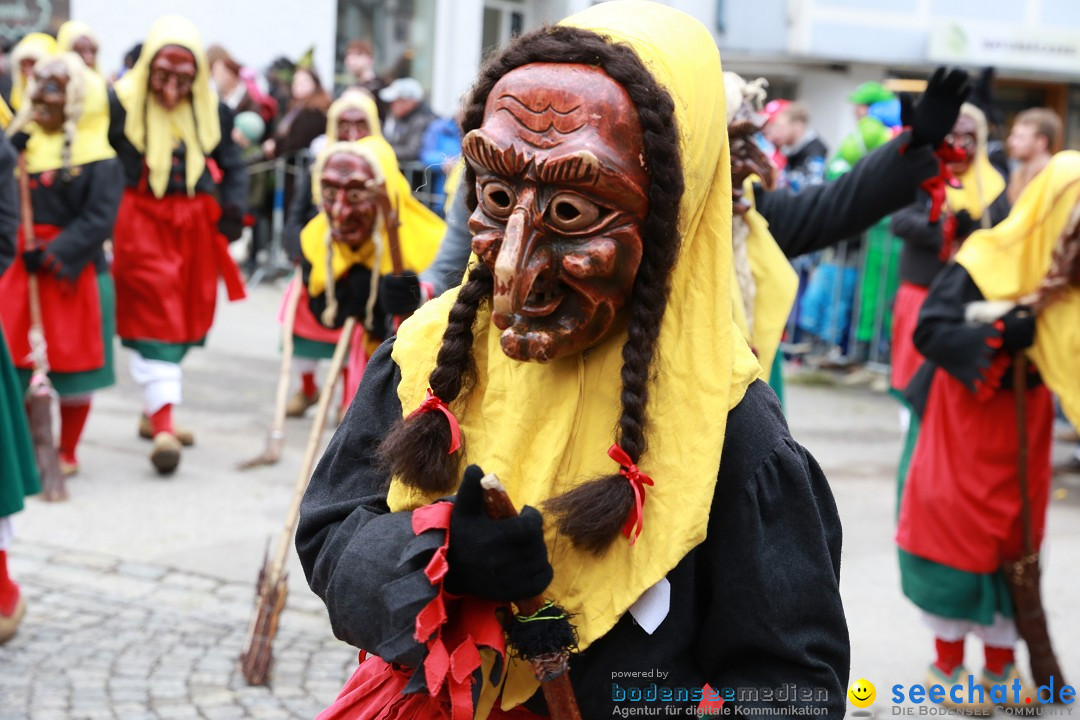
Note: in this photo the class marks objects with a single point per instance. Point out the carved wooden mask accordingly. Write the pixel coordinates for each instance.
(172, 73)
(50, 94)
(562, 190)
(348, 198)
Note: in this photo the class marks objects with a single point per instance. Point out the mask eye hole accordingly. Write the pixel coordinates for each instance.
(568, 212)
(497, 199)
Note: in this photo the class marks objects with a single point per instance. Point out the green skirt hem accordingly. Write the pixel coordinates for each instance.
(18, 466)
(955, 594)
(159, 350)
(313, 349)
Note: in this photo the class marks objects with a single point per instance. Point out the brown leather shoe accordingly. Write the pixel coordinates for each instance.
(10, 623)
(146, 431)
(166, 453)
(299, 402)
(68, 469)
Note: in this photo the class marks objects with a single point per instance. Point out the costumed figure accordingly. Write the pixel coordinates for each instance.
(968, 194)
(24, 56)
(186, 187)
(351, 117)
(18, 467)
(591, 362)
(77, 37)
(347, 255)
(1012, 292)
(75, 188)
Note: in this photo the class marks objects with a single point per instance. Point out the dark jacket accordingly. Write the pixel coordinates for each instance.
(9, 203)
(406, 134)
(756, 605)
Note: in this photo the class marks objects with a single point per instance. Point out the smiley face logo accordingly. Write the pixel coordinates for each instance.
(862, 693)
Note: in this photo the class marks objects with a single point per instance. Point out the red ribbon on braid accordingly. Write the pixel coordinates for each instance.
(432, 403)
(635, 521)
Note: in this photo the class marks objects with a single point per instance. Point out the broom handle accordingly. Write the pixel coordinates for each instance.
(392, 223)
(38, 347)
(277, 429)
(1020, 398)
(314, 438)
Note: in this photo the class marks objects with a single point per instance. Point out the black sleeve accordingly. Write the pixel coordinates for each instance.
(999, 209)
(945, 337)
(9, 204)
(912, 225)
(117, 118)
(823, 215)
(773, 565)
(351, 290)
(229, 157)
(361, 559)
(81, 239)
(301, 210)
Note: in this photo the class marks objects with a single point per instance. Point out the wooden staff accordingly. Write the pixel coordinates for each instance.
(40, 393)
(272, 582)
(275, 440)
(551, 669)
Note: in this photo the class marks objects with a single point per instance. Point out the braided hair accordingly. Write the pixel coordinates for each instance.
(592, 514)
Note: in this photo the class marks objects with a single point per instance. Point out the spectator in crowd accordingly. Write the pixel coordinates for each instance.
(225, 72)
(409, 118)
(77, 37)
(440, 151)
(360, 62)
(804, 151)
(1033, 140)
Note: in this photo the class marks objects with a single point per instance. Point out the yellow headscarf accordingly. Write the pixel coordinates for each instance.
(1010, 260)
(5, 114)
(34, 46)
(89, 100)
(352, 98)
(420, 232)
(71, 31)
(981, 183)
(545, 428)
(153, 130)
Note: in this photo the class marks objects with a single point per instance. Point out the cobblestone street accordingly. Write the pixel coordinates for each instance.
(140, 589)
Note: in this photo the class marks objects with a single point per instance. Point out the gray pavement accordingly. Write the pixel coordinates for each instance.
(140, 589)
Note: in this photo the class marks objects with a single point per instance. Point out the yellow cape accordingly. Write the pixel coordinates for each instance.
(420, 232)
(5, 114)
(155, 131)
(35, 45)
(545, 428)
(776, 284)
(71, 31)
(980, 187)
(44, 151)
(358, 99)
(1010, 260)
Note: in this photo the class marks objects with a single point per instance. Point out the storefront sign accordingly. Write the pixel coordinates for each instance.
(1005, 46)
(21, 17)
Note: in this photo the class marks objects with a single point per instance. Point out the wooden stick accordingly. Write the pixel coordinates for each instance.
(558, 692)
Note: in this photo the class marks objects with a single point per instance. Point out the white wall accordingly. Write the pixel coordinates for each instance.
(253, 31)
(826, 93)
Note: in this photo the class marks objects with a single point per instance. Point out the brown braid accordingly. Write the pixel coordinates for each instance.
(415, 449)
(593, 513)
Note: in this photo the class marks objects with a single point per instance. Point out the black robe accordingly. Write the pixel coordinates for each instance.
(757, 605)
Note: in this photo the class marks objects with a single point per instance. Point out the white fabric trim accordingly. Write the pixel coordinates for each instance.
(947, 629)
(305, 365)
(1001, 634)
(76, 400)
(652, 607)
(7, 532)
(160, 382)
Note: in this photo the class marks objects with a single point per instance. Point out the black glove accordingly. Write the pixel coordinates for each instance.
(965, 224)
(399, 294)
(231, 224)
(39, 260)
(19, 140)
(933, 117)
(1019, 332)
(500, 560)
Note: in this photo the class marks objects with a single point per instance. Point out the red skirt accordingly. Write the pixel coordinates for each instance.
(168, 257)
(306, 325)
(961, 504)
(905, 359)
(374, 693)
(70, 313)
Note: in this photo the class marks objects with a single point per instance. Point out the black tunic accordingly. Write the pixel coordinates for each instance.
(756, 605)
(822, 215)
(351, 291)
(9, 203)
(231, 192)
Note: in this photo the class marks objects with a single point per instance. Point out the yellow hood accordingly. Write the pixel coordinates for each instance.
(153, 130)
(71, 31)
(1011, 259)
(36, 46)
(44, 151)
(545, 428)
(353, 98)
(420, 232)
